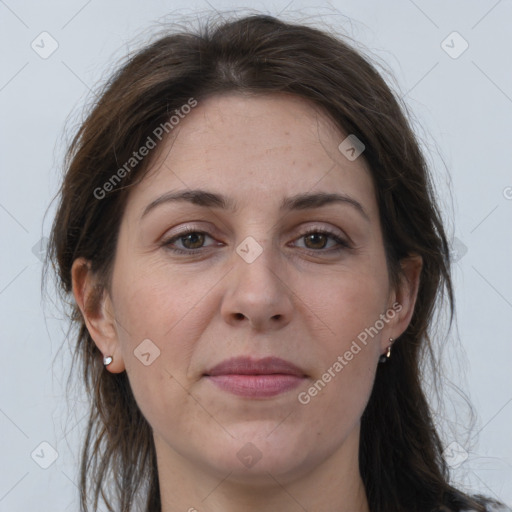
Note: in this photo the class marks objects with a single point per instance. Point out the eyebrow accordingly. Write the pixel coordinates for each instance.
(207, 199)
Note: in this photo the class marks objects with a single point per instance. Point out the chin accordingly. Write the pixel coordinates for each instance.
(255, 456)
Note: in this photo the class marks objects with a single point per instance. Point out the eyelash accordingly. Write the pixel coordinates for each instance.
(342, 244)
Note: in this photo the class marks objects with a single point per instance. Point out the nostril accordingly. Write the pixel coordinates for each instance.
(239, 316)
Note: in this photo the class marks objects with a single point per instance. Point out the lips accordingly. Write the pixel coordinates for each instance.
(255, 378)
(250, 366)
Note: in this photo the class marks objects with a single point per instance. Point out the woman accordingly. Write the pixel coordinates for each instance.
(248, 228)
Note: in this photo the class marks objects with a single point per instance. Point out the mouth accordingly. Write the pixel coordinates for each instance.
(255, 378)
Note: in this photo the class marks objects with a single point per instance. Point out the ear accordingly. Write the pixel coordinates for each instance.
(403, 298)
(96, 307)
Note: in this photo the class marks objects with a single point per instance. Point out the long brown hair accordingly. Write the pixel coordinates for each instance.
(401, 459)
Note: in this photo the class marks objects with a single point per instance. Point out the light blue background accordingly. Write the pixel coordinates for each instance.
(463, 109)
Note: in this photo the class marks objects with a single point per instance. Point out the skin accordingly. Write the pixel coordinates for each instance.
(299, 300)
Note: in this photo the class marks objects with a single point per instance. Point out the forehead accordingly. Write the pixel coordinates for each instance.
(258, 149)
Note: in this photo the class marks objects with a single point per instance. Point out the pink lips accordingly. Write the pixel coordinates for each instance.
(255, 378)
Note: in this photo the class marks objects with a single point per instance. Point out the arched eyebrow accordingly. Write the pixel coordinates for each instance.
(209, 199)
(318, 199)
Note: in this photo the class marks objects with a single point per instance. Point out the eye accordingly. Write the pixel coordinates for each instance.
(317, 240)
(191, 241)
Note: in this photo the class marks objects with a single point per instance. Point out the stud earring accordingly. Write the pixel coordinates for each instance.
(107, 360)
(384, 357)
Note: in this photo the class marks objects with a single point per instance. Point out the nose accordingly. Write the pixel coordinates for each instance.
(258, 293)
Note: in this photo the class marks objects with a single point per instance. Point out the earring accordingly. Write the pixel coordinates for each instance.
(107, 360)
(384, 357)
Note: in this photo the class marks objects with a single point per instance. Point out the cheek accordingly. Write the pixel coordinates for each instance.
(343, 310)
(346, 343)
(169, 308)
(155, 301)
(346, 303)
(149, 307)
(347, 354)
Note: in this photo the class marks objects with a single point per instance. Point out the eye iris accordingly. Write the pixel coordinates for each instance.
(197, 240)
(315, 237)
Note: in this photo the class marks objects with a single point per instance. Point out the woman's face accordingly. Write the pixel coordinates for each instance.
(274, 267)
